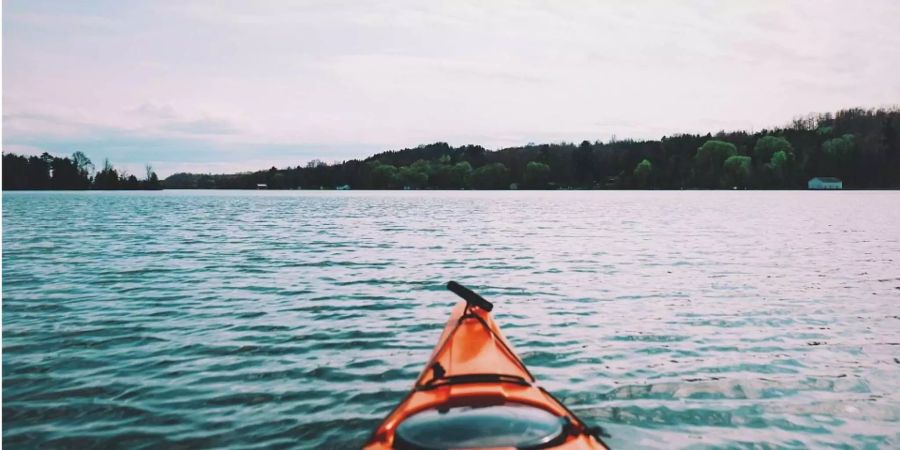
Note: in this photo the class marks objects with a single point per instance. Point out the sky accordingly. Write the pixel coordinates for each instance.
(217, 87)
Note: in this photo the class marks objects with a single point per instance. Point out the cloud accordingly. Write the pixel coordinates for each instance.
(212, 82)
(146, 120)
(164, 118)
(23, 124)
(164, 112)
(204, 126)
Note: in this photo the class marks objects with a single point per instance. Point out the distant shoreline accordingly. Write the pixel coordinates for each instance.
(852, 149)
(860, 147)
(461, 190)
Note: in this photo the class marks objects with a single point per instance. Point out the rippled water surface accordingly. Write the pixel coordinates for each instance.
(299, 319)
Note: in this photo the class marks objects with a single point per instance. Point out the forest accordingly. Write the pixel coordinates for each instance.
(859, 146)
(69, 173)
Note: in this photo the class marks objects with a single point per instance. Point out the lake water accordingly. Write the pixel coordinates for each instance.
(211, 319)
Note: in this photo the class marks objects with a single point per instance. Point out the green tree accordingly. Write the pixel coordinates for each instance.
(65, 174)
(491, 176)
(642, 173)
(774, 157)
(440, 176)
(426, 167)
(85, 168)
(767, 146)
(583, 164)
(276, 181)
(414, 176)
(738, 170)
(779, 166)
(460, 174)
(15, 172)
(107, 178)
(708, 162)
(839, 155)
(151, 181)
(37, 171)
(385, 176)
(129, 182)
(206, 182)
(537, 175)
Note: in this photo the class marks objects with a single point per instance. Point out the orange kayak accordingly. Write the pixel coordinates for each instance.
(476, 393)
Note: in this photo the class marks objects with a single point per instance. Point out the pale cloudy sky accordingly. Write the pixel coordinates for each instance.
(225, 86)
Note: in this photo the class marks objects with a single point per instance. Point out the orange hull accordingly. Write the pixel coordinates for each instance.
(474, 366)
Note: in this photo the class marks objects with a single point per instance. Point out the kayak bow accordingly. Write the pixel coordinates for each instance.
(476, 393)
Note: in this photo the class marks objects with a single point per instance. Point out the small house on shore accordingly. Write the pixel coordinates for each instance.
(262, 186)
(825, 183)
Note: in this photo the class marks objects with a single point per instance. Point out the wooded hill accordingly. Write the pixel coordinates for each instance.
(859, 146)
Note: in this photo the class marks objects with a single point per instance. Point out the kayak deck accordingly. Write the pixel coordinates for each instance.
(473, 371)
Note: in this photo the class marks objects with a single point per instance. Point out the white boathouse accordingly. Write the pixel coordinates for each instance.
(825, 183)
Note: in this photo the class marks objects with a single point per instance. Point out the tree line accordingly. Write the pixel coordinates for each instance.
(69, 173)
(859, 146)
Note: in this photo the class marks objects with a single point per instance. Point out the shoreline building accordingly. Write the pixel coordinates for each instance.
(820, 183)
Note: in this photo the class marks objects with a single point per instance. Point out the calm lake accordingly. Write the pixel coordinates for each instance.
(212, 319)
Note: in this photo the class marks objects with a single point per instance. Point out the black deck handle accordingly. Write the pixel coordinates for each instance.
(470, 297)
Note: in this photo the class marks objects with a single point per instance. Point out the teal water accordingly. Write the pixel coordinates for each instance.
(299, 319)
